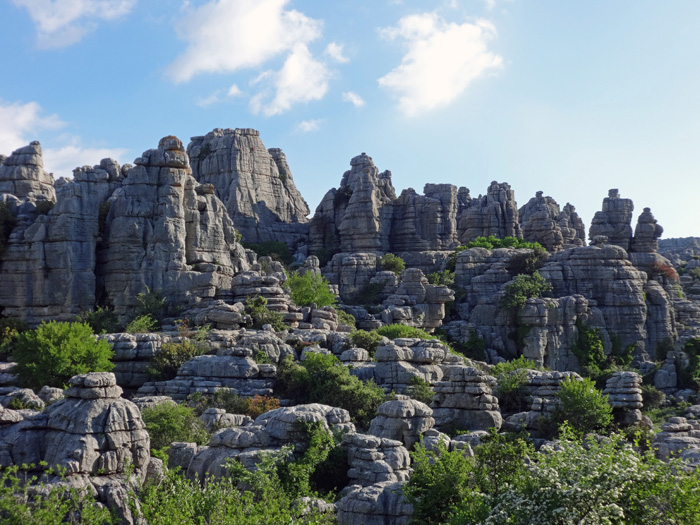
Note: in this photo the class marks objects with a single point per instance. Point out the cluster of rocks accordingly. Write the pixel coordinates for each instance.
(402, 419)
(625, 396)
(679, 437)
(544, 222)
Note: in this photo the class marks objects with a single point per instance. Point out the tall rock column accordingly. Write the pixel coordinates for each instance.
(614, 221)
(495, 213)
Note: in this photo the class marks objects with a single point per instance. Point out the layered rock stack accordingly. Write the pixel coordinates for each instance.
(402, 419)
(463, 400)
(625, 396)
(22, 175)
(542, 221)
(132, 356)
(613, 223)
(646, 234)
(231, 368)
(678, 437)
(254, 183)
(376, 460)
(495, 213)
(376, 504)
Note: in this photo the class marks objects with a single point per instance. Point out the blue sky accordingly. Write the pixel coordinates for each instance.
(571, 98)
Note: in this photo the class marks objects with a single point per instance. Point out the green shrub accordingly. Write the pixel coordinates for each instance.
(257, 309)
(364, 339)
(278, 250)
(54, 352)
(346, 318)
(652, 397)
(506, 367)
(322, 378)
(589, 350)
(222, 398)
(394, 331)
(527, 263)
(142, 324)
(167, 423)
(473, 348)
(101, 320)
(342, 196)
(10, 328)
(172, 356)
(393, 263)
(310, 289)
(445, 278)
(511, 391)
(521, 289)
(368, 295)
(420, 390)
(583, 406)
(689, 376)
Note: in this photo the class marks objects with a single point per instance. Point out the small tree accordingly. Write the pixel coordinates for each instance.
(522, 288)
(393, 263)
(584, 407)
(54, 352)
(167, 423)
(310, 288)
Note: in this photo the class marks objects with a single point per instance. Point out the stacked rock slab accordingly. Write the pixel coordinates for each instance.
(495, 213)
(646, 234)
(377, 504)
(132, 356)
(625, 396)
(375, 460)
(417, 302)
(463, 400)
(427, 222)
(542, 221)
(168, 233)
(93, 435)
(268, 433)
(254, 183)
(352, 272)
(403, 419)
(613, 223)
(22, 175)
(678, 437)
(230, 368)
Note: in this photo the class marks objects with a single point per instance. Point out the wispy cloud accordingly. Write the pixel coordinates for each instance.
(228, 35)
(61, 23)
(220, 95)
(21, 123)
(335, 51)
(442, 60)
(354, 99)
(301, 79)
(309, 125)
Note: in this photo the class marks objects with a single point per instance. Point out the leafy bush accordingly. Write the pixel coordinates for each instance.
(172, 356)
(232, 403)
(522, 288)
(394, 331)
(364, 339)
(589, 350)
(54, 352)
(258, 405)
(420, 390)
(527, 263)
(689, 376)
(167, 423)
(322, 378)
(512, 381)
(278, 250)
(583, 406)
(393, 263)
(346, 318)
(445, 278)
(652, 397)
(142, 324)
(10, 328)
(491, 242)
(473, 348)
(150, 303)
(262, 315)
(310, 289)
(102, 320)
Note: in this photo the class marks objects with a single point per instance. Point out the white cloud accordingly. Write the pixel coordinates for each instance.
(61, 23)
(21, 123)
(354, 99)
(442, 60)
(219, 96)
(227, 35)
(63, 160)
(301, 79)
(309, 125)
(490, 4)
(335, 51)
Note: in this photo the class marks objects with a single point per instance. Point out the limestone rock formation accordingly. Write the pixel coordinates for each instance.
(376, 504)
(254, 183)
(22, 175)
(495, 213)
(542, 221)
(625, 396)
(646, 234)
(375, 460)
(402, 419)
(614, 221)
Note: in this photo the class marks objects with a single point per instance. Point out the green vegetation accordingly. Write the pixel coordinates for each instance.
(346, 318)
(394, 331)
(167, 423)
(367, 340)
(689, 376)
(7, 224)
(527, 263)
(368, 295)
(102, 320)
(522, 288)
(420, 390)
(142, 324)
(152, 303)
(582, 406)
(310, 289)
(44, 206)
(342, 196)
(512, 380)
(10, 328)
(257, 309)
(54, 352)
(444, 278)
(278, 250)
(322, 378)
(172, 356)
(491, 242)
(393, 263)
(232, 403)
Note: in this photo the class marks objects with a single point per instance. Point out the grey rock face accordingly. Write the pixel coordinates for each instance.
(625, 395)
(166, 232)
(542, 221)
(22, 175)
(614, 221)
(646, 234)
(678, 437)
(254, 183)
(376, 504)
(495, 213)
(376, 460)
(402, 419)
